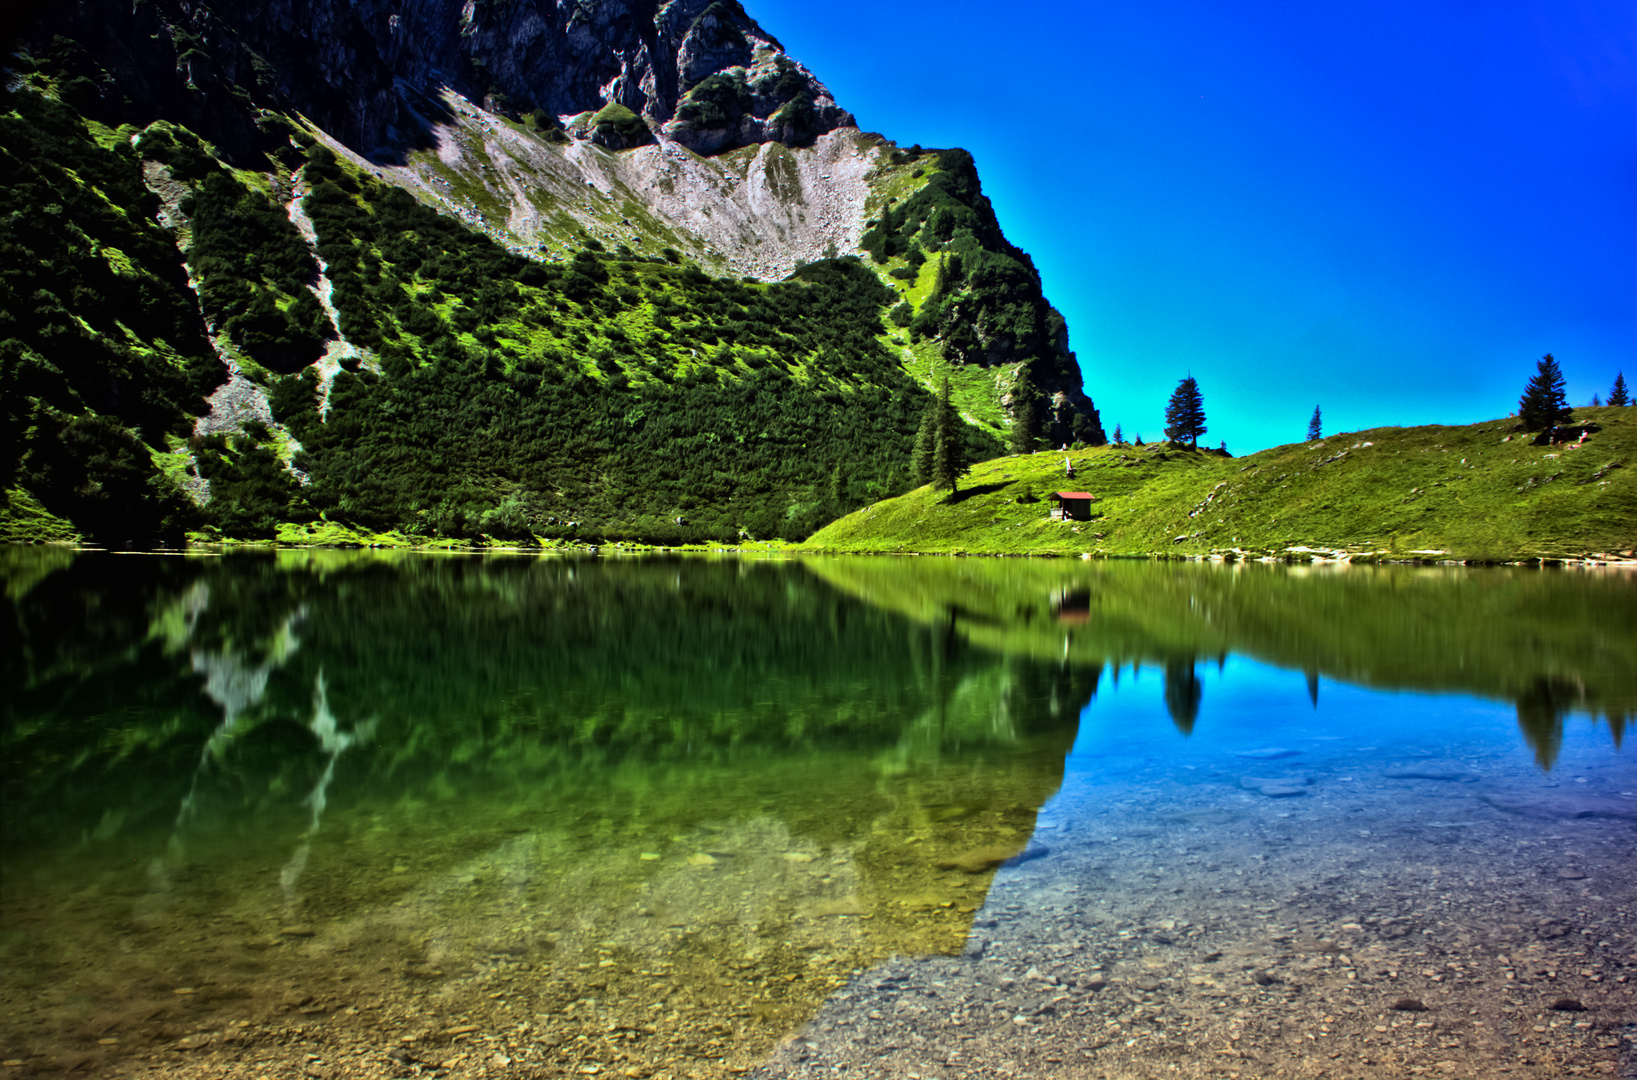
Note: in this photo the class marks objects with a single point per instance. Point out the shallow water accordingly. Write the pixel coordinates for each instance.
(544, 816)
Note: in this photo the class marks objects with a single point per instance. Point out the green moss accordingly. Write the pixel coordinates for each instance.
(24, 520)
(624, 123)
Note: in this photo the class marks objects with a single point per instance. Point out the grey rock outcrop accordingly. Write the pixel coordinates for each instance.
(369, 71)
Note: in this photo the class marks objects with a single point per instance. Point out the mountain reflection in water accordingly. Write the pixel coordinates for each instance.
(674, 803)
(1551, 642)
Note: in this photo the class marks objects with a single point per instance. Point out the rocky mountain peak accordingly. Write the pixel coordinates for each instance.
(702, 72)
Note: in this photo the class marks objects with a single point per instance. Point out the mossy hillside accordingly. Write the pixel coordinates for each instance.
(407, 280)
(1478, 492)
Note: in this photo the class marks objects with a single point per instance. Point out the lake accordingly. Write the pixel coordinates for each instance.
(333, 813)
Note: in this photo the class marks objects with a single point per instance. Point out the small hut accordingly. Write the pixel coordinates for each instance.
(1072, 505)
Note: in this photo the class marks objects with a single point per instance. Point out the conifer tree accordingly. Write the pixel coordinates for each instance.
(948, 449)
(925, 441)
(1618, 394)
(1185, 414)
(1315, 426)
(1544, 404)
(1182, 694)
(1024, 437)
(1119, 436)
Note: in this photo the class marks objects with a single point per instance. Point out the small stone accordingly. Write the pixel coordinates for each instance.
(184, 990)
(699, 858)
(1408, 1005)
(1567, 1005)
(650, 856)
(1147, 982)
(1570, 873)
(464, 1029)
(798, 857)
(1280, 791)
(297, 931)
(1267, 753)
(295, 999)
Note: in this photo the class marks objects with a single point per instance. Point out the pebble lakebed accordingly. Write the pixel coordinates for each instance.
(1320, 912)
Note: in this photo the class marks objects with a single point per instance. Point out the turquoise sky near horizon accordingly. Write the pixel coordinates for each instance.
(1389, 210)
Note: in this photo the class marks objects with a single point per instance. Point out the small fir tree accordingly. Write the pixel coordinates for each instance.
(1119, 436)
(948, 449)
(1315, 426)
(1618, 394)
(1596, 402)
(1544, 404)
(1185, 414)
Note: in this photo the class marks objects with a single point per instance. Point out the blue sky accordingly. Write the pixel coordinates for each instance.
(1387, 209)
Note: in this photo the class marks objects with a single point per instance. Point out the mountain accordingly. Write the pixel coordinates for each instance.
(502, 268)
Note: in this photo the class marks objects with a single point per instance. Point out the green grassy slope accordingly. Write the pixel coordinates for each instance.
(1470, 493)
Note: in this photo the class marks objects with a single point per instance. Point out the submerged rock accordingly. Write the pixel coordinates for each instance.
(1276, 787)
(1563, 806)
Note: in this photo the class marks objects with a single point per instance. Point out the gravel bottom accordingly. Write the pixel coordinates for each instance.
(1452, 917)
(1397, 924)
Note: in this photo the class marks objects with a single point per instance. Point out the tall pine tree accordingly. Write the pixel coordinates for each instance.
(1544, 404)
(1618, 395)
(948, 448)
(1315, 426)
(1185, 415)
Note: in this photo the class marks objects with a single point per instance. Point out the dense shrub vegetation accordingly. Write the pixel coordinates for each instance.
(254, 269)
(100, 337)
(616, 393)
(613, 396)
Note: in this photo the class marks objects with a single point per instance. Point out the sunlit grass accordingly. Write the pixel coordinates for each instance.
(1438, 493)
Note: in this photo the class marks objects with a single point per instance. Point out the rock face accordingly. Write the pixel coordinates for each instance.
(369, 71)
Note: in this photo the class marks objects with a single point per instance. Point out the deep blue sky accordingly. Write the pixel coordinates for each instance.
(1389, 209)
